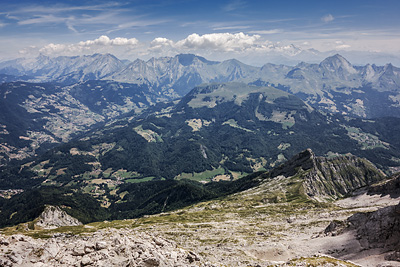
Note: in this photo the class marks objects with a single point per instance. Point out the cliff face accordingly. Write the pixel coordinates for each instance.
(54, 217)
(334, 178)
(329, 179)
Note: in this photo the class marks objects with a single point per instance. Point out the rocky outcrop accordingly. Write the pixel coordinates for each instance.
(107, 247)
(390, 187)
(374, 230)
(378, 229)
(329, 179)
(54, 217)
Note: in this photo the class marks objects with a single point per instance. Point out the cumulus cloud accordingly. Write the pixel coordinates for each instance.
(161, 42)
(105, 40)
(219, 41)
(327, 18)
(89, 45)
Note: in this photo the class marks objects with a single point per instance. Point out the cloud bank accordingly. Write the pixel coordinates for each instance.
(215, 42)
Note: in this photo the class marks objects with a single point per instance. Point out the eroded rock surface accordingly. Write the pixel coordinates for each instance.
(54, 217)
(108, 247)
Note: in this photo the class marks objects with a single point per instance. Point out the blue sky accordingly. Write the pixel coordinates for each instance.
(132, 29)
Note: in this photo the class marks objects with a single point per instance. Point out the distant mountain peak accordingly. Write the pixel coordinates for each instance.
(337, 63)
(336, 59)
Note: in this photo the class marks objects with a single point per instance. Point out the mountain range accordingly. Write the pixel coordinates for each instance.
(77, 94)
(334, 84)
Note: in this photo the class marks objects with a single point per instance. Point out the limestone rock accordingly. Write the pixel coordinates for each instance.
(378, 229)
(107, 247)
(54, 217)
(374, 230)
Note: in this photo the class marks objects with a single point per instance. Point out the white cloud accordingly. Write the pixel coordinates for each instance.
(161, 42)
(54, 48)
(90, 46)
(219, 41)
(106, 41)
(327, 18)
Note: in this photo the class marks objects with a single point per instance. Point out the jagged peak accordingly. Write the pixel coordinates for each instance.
(388, 67)
(326, 179)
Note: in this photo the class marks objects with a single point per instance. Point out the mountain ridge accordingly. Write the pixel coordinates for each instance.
(334, 84)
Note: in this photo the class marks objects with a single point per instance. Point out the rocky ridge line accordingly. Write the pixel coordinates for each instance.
(329, 179)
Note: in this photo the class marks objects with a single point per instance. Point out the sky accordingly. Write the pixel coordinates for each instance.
(216, 30)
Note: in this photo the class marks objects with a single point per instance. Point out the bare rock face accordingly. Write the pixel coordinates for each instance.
(54, 217)
(107, 247)
(378, 229)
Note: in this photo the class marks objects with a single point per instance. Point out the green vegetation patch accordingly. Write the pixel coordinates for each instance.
(234, 124)
(139, 180)
(205, 176)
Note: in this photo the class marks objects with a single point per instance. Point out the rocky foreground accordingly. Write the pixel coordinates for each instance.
(107, 247)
